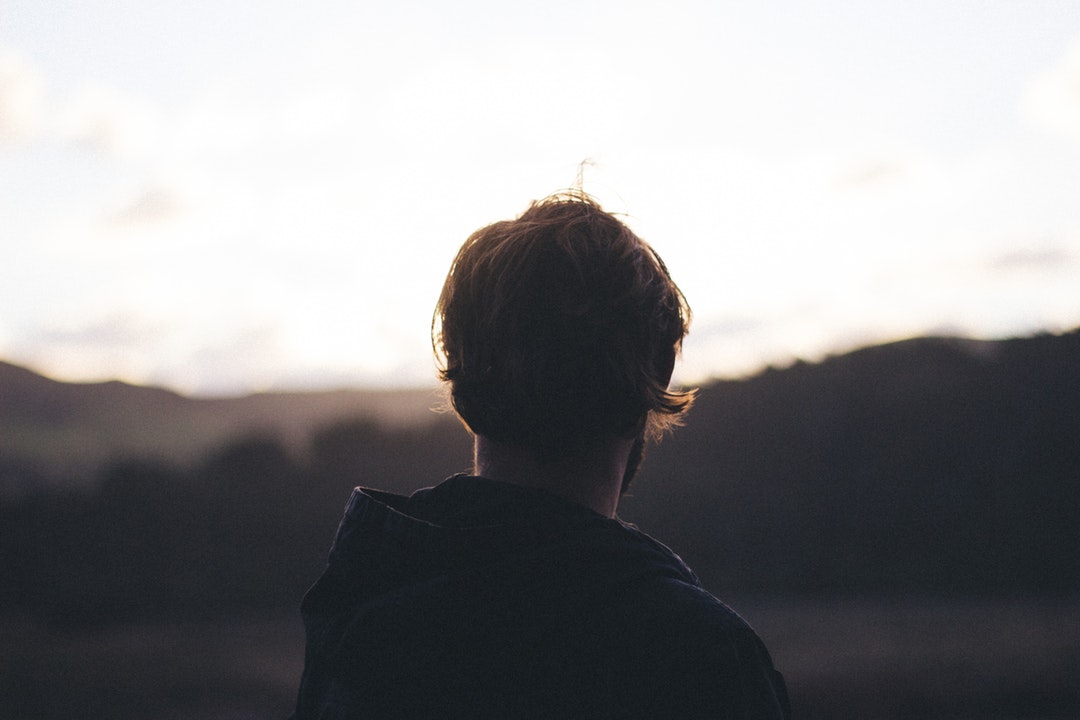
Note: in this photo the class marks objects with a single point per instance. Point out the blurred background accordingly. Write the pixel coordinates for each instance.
(225, 225)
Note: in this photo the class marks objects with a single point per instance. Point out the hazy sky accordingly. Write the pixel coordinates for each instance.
(229, 196)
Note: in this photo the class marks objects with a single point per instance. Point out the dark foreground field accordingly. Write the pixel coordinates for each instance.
(984, 659)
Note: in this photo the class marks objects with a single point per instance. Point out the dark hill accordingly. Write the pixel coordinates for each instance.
(60, 434)
(934, 465)
(933, 462)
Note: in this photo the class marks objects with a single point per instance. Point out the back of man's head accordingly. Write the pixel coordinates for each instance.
(559, 331)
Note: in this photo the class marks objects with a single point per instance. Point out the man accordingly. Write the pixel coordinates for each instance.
(514, 592)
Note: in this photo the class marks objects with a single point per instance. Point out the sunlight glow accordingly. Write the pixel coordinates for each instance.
(279, 207)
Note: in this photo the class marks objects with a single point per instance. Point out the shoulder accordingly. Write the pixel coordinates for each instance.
(704, 659)
(684, 615)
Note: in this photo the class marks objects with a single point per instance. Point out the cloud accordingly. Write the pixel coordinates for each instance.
(110, 122)
(155, 204)
(191, 353)
(1052, 99)
(21, 99)
(246, 359)
(874, 173)
(1033, 259)
(115, 330)
(94, 346)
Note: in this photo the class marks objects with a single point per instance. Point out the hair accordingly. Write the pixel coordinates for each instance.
(558, 331)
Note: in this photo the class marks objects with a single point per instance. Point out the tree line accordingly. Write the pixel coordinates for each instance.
(932, 466)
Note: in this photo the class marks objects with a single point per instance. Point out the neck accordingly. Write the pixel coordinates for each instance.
(594, 481)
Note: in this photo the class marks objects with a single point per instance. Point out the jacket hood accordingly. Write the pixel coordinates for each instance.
(470, 530)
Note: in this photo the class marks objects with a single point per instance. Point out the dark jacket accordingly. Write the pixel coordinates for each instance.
(479, 599)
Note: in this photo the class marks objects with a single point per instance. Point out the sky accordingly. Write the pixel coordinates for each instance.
(227, 197)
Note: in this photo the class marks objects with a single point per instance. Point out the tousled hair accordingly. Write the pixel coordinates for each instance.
(558, 331)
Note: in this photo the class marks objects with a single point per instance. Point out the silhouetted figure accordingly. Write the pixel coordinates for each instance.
(514, 592)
